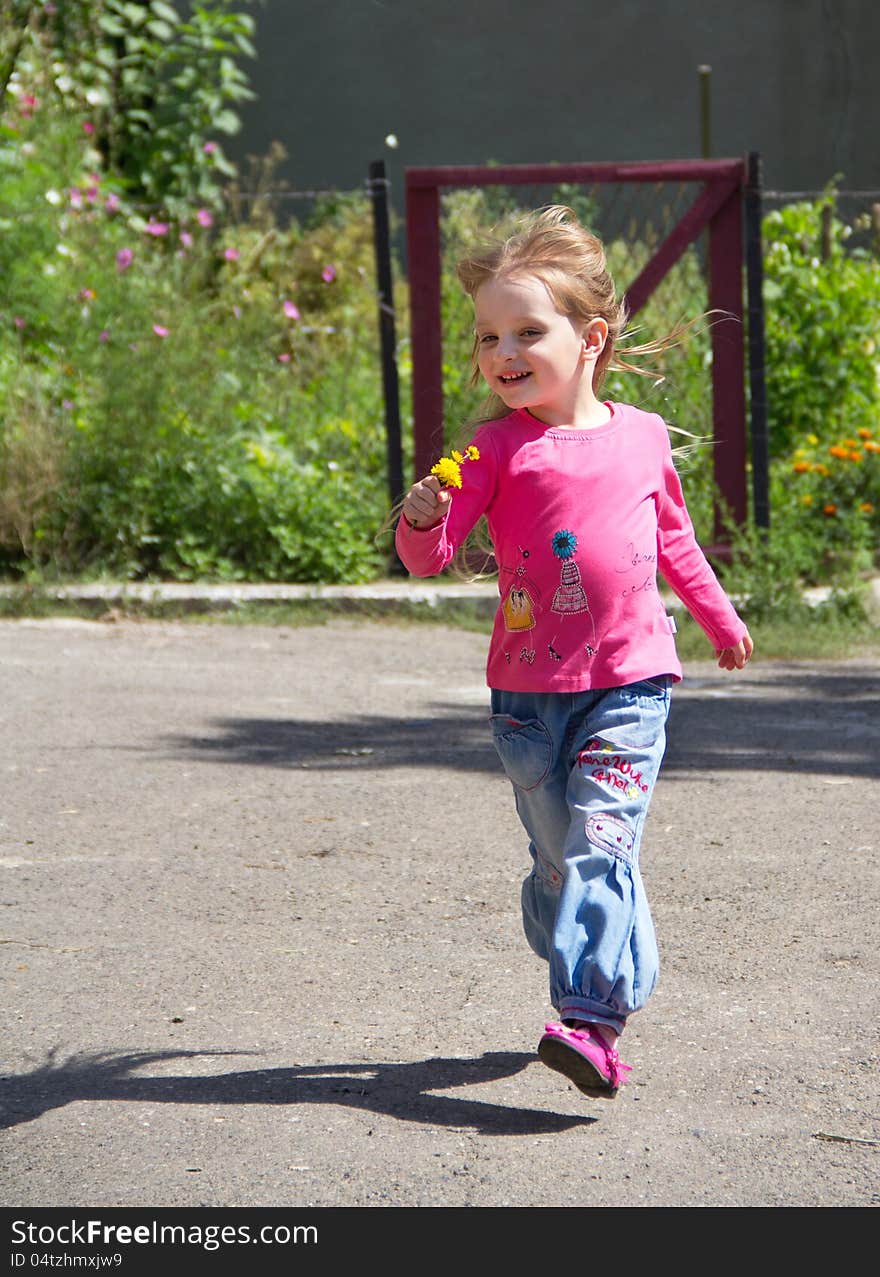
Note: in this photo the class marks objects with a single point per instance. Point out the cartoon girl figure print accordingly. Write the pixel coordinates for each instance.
(570, 598)
(518, 608)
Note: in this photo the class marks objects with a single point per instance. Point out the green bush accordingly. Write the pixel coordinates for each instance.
(823, 302)
(181, 397)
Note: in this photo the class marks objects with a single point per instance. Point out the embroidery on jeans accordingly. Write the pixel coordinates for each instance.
(611, 834)
(612, 769)
(545, 870)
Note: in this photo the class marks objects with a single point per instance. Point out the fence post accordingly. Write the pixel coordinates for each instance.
(728, 364)
(378, 187)
(757, 347)
(423, 226)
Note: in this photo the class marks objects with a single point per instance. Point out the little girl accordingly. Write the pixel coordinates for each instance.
(584, 506)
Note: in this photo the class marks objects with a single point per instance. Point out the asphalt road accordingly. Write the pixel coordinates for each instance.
(261, 940)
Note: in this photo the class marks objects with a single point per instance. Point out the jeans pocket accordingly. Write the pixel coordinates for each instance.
(525, 748)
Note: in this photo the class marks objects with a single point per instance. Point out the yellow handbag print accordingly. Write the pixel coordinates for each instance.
(518, 610)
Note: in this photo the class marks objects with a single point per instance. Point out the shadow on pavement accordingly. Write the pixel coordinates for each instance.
(798, 722)
(402, 1091)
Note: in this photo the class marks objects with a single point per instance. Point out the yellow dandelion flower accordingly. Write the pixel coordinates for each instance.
(814, 439)
(457, 456)
(473, 453)
(806, 499)
(448, 472)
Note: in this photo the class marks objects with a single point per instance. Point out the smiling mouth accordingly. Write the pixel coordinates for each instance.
(509, 378)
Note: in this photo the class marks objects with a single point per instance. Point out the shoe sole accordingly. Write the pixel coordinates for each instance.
(562, 1058)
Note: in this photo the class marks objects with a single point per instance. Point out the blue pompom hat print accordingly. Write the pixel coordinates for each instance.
(569, 597)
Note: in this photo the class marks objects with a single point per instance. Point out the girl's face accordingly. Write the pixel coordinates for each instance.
(530, 354)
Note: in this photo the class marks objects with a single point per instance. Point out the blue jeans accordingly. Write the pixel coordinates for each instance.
(583, 767)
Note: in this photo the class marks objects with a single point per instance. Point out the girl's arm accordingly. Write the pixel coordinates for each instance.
(734, 658)
(435, 521)
(690, 575)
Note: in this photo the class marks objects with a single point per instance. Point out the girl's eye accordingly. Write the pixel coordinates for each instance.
(486, 337)
(531, 332)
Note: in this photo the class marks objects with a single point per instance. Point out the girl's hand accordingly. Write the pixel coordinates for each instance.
(734, 658)
(426, 503)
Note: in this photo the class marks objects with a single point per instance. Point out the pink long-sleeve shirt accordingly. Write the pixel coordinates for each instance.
(581, 521)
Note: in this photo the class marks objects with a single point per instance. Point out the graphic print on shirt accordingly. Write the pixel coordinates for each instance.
(518, 608)
(570, 599)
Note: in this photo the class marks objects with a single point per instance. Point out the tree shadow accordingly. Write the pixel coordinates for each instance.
(402, 1091)
(802, 721)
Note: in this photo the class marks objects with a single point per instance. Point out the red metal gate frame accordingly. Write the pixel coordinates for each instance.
(718, 207)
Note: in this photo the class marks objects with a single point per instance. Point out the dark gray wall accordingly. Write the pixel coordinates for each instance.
(797, 80)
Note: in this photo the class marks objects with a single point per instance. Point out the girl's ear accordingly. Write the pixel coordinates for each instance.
(595, 337)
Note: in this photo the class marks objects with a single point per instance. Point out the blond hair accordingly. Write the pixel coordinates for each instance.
(553, 246)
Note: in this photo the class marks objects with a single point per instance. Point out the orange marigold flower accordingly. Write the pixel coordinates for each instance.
(837, 451)
(855, 456)
(865, 434)
(851, 443)
(872, 447)
(829, 509)
(801, 467)
(866, 507)
(820, 469)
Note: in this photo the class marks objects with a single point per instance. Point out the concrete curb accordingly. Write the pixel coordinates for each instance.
(384, 595)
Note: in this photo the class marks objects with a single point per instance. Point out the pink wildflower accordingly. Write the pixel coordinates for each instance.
(236, 310)
(92, 194)
(186, 239)
(209, 148)
(103, 335)
(291, 310)
(29, 104)
(232, 254)
(284, 358)
(76, 199)
(88, 128)
(159, 330)
(124, 259)
(67, 404)
(112, 202)
(87, 294)
(204, 218)
(19, 322)
(156, 228)
(328, 274)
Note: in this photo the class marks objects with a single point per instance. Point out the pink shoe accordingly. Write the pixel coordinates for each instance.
(595, 1069)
